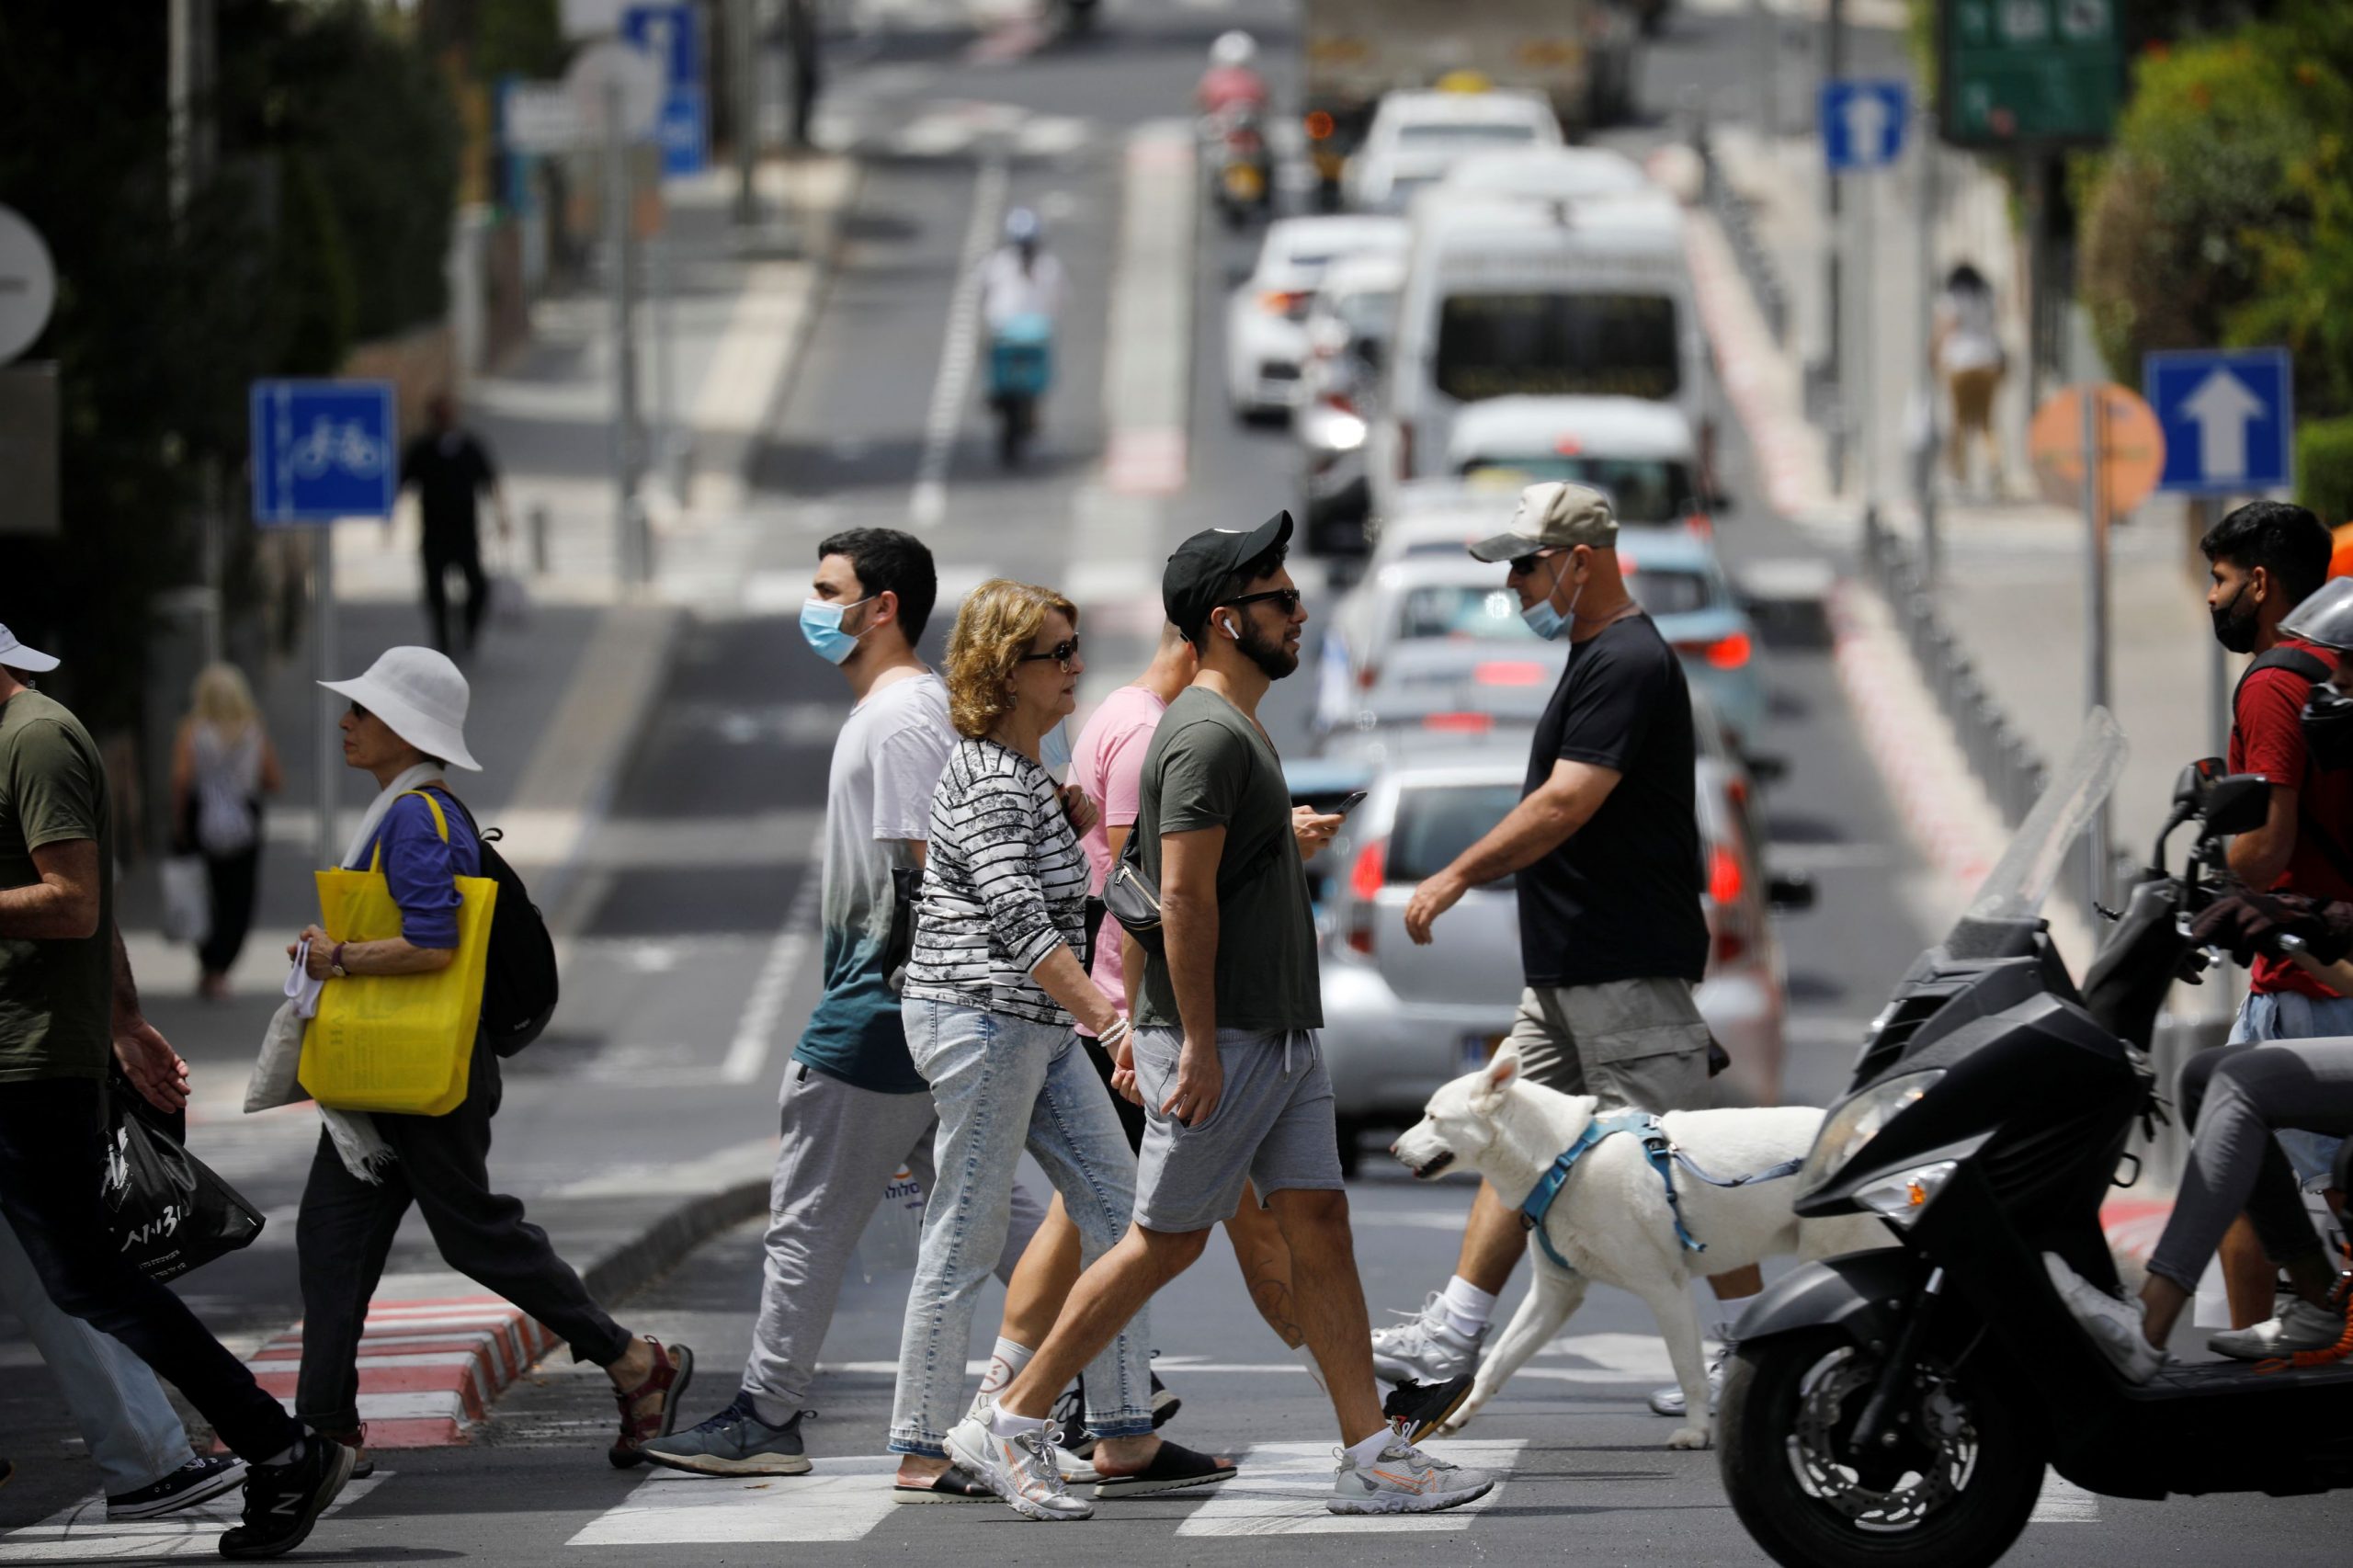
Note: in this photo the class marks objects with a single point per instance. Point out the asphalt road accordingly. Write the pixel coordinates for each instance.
(689, 976)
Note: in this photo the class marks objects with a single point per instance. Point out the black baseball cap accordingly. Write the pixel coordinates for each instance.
(1194, 579)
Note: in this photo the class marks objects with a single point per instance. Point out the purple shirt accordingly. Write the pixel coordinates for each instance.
(422, 871)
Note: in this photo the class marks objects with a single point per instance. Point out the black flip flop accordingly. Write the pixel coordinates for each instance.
(951, 1486)
(1174, 1467)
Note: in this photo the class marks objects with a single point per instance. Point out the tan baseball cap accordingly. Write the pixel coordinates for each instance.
(1553, 515)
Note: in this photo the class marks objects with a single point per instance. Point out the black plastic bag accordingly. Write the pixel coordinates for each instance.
(167, 1212)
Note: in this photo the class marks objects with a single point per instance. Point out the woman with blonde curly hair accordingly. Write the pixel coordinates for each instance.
(995, 979)
(223, 764)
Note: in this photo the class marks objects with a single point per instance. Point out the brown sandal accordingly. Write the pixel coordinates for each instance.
(674, 1371)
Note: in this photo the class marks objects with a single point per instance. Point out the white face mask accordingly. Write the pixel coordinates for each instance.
(1053, 749)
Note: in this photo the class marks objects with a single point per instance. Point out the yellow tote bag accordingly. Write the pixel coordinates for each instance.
(396, 1042)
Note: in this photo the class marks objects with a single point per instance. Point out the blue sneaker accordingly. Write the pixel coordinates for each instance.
(733, 1442)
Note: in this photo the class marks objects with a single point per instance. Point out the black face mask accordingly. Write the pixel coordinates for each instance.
(2328, 726)
(2234, 632)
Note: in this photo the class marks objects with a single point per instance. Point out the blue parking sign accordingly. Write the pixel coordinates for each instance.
(2229, 416)
(324, 450)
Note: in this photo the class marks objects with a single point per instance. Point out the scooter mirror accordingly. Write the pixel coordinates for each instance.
(2189, 789)
(2239, 804)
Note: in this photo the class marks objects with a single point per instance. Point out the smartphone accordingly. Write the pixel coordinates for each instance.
(1350, 803)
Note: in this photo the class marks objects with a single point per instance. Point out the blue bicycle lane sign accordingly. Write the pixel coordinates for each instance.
(324, 450)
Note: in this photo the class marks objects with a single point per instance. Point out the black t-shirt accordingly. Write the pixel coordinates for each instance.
(448, 475)
(1621, 899)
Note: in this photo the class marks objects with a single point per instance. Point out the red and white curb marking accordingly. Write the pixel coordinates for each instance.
(429, 1370)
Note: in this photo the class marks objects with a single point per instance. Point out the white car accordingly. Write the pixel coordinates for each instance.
(1266, 318)
(1546, 174)
(1417, 136)
(1641, 454)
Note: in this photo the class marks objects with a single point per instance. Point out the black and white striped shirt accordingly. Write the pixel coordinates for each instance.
(1005, 884)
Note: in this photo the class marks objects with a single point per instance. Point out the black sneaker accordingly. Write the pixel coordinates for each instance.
(283, 1501)
(1070, 1415)
(183, 1488)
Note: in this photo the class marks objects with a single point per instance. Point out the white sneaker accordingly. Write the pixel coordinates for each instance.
(1022, 1470)
(1404, 1479)
(1669, 1401)
(1426, 1348)
(2114, 1325)
(2299, 1326)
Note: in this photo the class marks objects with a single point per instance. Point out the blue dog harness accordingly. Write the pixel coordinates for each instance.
(1663, 1156)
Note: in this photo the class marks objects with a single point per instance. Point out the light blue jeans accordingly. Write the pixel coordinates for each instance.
(128, 1427)
(1002, 1083)
(2292, 1015)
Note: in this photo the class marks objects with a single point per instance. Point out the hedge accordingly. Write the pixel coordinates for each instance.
(2325, 468)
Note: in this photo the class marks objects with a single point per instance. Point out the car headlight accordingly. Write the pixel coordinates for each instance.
(1899, 1199)
(1858, 1121)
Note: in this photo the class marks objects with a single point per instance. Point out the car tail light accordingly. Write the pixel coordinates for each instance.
(1366, 879)
(1724, 879)
(1700, 524)
(1722, 652)
(1319, 126)
(1510, 672)
(1568, 446)
(1460, 723)
(1283, 302)
(1737, 790)
(1367, 677)
(1340, 400)
(1728, 933)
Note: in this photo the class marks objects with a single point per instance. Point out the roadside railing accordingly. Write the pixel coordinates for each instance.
(1739, 224)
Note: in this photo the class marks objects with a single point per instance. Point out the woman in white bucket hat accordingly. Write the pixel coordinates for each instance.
(406, 723)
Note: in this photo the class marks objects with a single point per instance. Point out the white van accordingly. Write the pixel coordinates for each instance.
(1537, 299)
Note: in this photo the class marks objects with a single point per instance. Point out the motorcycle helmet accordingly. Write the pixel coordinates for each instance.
(2325, 617)
(1022, 227)
(1233, 48)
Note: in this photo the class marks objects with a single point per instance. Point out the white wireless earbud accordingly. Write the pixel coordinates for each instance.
(1230, 631)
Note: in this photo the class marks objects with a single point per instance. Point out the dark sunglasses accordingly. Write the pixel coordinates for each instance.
(1286, 597)
(1522, 565)
(358, 711)
(1061, 653)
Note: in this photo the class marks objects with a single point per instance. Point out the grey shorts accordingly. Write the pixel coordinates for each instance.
(1639, 1044)
(1273, 1124)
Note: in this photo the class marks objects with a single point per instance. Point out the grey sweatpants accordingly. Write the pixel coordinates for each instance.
(841, 1146)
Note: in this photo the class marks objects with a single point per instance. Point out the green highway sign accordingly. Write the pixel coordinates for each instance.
(2028, 73)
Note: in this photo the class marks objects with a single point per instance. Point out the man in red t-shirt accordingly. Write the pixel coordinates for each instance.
(2265, 558)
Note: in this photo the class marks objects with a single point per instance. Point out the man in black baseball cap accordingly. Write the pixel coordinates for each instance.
(1224, 1052)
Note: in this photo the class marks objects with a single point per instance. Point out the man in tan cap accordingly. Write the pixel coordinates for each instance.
(1605, 843)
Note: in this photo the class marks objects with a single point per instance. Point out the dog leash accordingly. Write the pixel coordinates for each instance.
(1662, 1154)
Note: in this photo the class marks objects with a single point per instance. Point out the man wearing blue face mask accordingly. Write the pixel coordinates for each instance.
(1605, 844)
(852, 1110)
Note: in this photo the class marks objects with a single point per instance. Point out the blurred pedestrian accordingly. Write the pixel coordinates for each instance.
(1966, 345)
(1224, 1052)
(1021, 277)
(223, 764)
(1605, 846)
(406, 727)
(133, 1434)
(852, 1111)
(68, 1006)
(453, 471)
(991, 991)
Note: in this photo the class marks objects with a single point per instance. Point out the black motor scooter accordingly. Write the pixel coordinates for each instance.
(1900, 1405)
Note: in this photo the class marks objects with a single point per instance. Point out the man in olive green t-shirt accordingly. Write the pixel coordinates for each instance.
(67, 1005)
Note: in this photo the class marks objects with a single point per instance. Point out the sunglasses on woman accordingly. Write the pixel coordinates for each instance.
(1061, 653)
(358, 711)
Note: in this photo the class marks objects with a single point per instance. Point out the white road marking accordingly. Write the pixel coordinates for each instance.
(747, 1055)
(2064, 1502)
(928, 504)
(1282, 1487)
(82, 1533)
(840, 1499)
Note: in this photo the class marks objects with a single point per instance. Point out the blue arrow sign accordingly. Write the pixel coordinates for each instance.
(2229, 418)
(672, 34)
(1862, 123)
(323, 450)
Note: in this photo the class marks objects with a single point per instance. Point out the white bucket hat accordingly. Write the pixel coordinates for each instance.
(420, 697)
(14, 655)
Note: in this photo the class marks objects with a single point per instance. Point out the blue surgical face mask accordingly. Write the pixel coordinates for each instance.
(1054, 749)
(1546, 621)
(821, 625)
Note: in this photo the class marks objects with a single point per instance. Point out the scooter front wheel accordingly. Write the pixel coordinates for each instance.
(1953, 1490)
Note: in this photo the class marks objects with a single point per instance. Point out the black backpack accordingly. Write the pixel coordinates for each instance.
(518, 993)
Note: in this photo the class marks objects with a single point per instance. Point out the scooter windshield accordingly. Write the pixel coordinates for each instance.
(2021, 878)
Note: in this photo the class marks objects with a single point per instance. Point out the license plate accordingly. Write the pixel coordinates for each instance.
(1478, 1050)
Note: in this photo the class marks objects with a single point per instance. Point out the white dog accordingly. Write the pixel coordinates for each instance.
(1613, 1221)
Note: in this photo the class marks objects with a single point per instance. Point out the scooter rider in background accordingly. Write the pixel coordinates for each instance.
(1231, 83)
(1021, 277)
(1021, 293)
(2266, 558)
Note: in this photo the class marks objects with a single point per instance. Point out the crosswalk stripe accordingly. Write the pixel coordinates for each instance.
(83, 1534)
(2064, 1502)
(840, 1499)
(1282, 1487)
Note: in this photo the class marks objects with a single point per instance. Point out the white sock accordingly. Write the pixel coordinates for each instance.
(1728, 1309)
(1307, 1359)
(1004, 1424)
(1004, 1365)
(1467, 1308)
(1371, 1449)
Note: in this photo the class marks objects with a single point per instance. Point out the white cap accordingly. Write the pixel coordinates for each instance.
(420, 697)
(14, 655)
